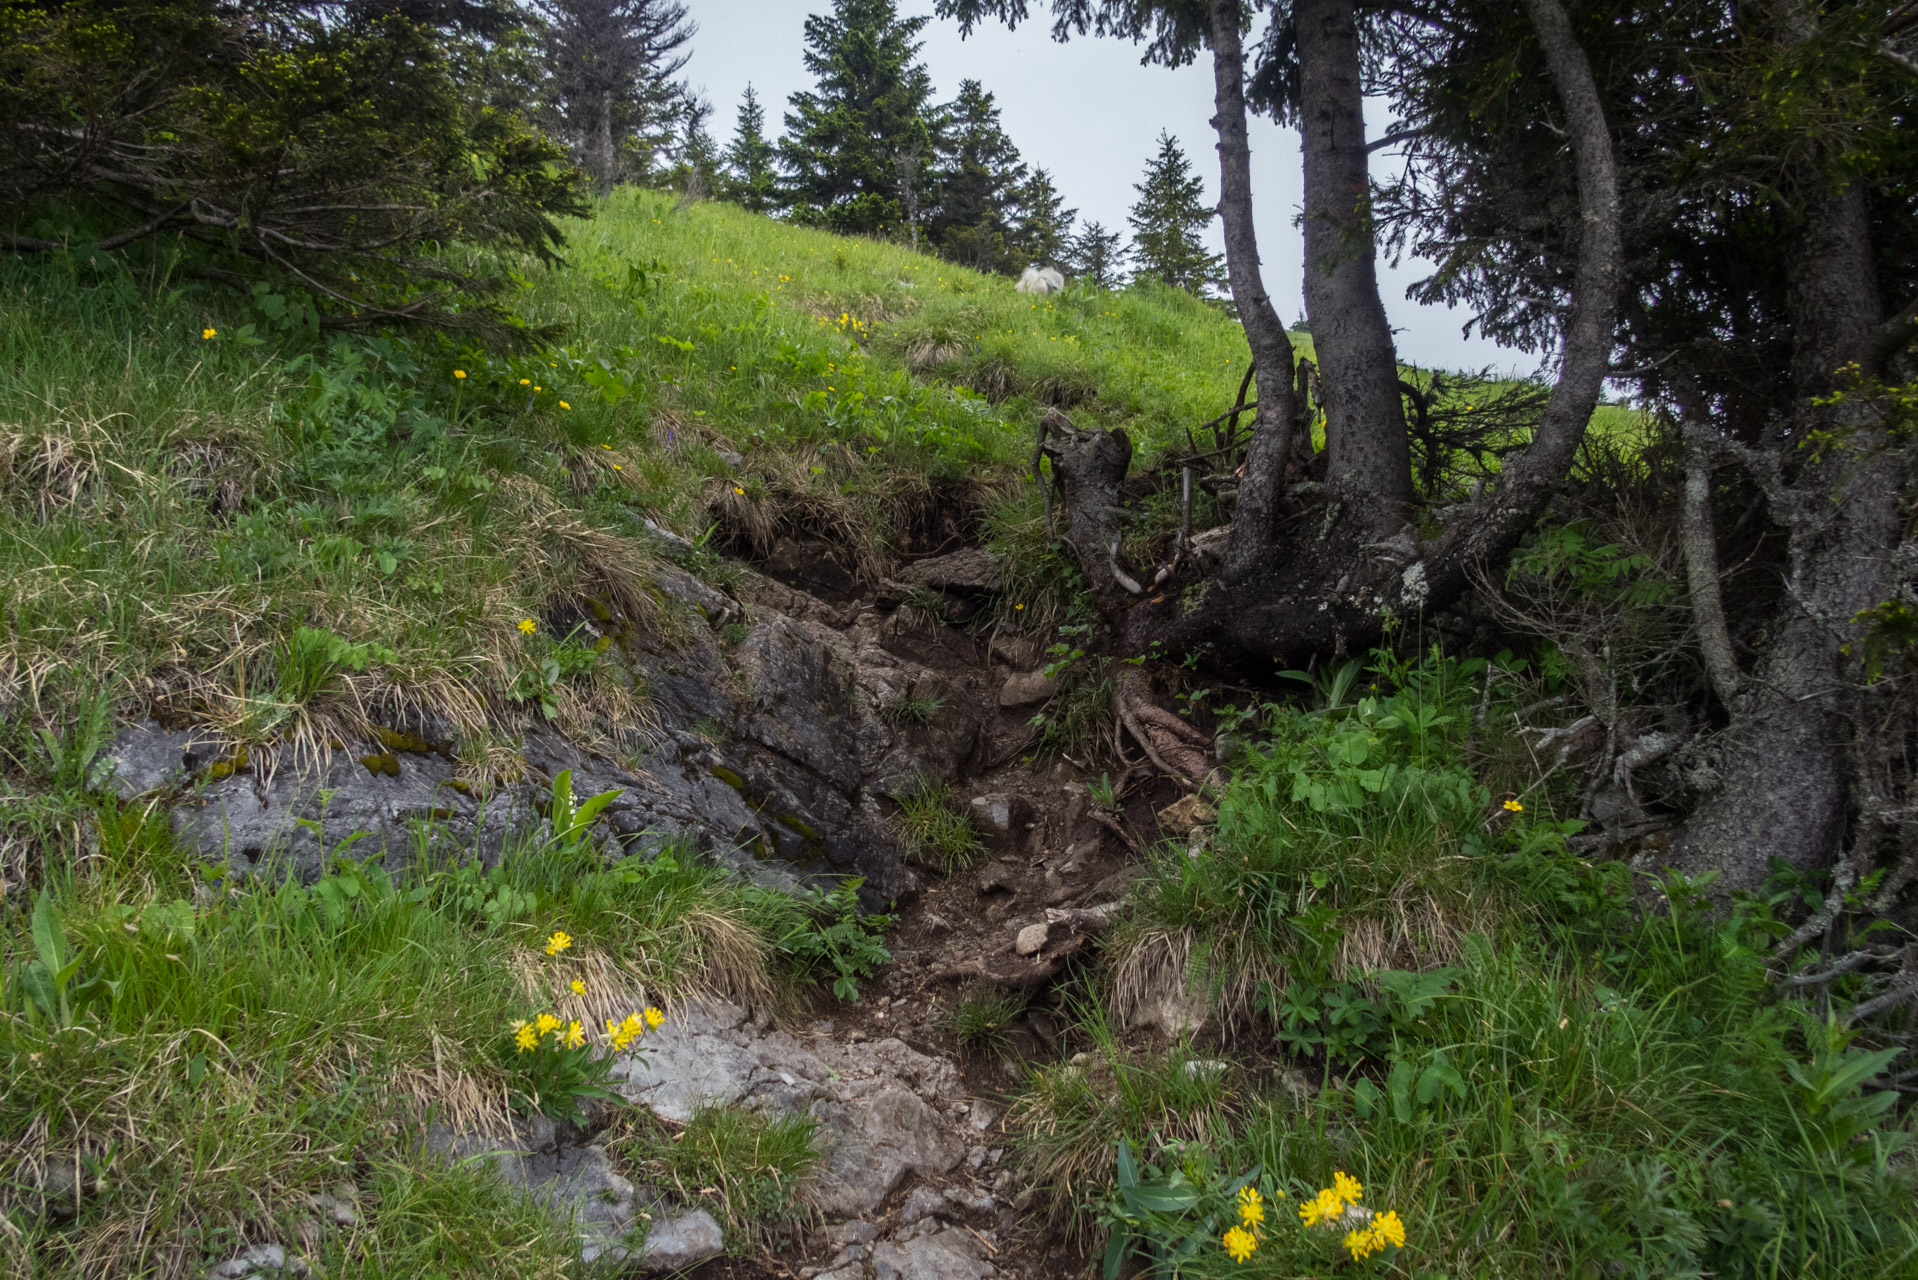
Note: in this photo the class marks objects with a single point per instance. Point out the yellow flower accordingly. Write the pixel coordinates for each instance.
(1326, 1206)
(1387, 1228)
(527, 626)
(559, 941)
(606, 446)
(545, 1023)
(1361, 1243)
(459, 373)
(617, 467)
(579, 988)
(209, 334)
(1251, 1207)
(654, 1017)
(741, 492)
(526, 382)
(564, 405)
(1240, 1243)
(526, 1038)
(539, 388)
(1347, 1187)
(575, 1034)
(1513, 806)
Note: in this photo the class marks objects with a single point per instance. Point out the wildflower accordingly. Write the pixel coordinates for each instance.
(1240, 1243)
(1362, 1243)
(545, 1024)
(1251, 1207)
(209, 334)
(575, 1034)
(527, 626)
(654, 1017)
(1017, 607)
(606, 446)
(1325, 1207)
(617, 467)
(1347, 1187)
(1388, 1229)
(741, 492)
(558, 942)
(525, 1037)
(459, 373)
(564, 405)
(1513, 806)
(579, 988)
(539, 388)
(526, 382)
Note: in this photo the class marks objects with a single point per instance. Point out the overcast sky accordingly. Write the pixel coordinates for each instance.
(1087, 111)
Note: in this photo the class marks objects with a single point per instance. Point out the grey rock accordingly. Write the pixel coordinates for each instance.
(1032, 939)
(260, 1260)
(854, 1232)
(144, 757)
(1003, 820)
(970, 568)
(1023, 688)
(674, 1244)
(878, 1140)
(924, 1202)
(951, 1254)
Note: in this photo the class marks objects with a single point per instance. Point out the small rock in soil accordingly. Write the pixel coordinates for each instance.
(1002, 820)
(998, 875)
(951, 1254)
(1024, 688)
(260, 1260)
(1032, 939)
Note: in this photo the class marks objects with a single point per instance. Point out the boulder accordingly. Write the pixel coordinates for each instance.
(676, 1244)
(969, 568)
(949, 1254)
(144, 757)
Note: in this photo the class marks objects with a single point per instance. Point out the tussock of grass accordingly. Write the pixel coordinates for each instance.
(750, 1169)
(935, 829)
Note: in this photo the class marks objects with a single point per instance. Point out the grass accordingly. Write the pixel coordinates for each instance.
(983, 1019)
(935, 829)
(748, 1168)
(1539, 1079)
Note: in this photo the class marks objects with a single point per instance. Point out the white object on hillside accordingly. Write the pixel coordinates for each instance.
(1041, 280)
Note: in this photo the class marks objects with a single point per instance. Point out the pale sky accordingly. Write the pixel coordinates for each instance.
(1088, 112)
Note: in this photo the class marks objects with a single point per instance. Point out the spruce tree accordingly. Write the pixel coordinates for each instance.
(1167, 220)
(844, 140)
(749, 180)
(609, 87)
(979, 175)
(1043, 225)
(1097, 256)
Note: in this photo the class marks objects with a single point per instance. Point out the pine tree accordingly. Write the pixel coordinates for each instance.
(1096, 256)
(1043, 226)
(979, 175)
(696, 157)
(844, 140)
(1166, 223)
(749, 180)
(609, 87)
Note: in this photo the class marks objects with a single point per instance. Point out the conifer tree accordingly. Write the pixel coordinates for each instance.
(843, 140)
(696, 158)
(980, 174)
(610, 67)
(750, 181)
(1167, 220)
(1096, 256)
(1043, 225)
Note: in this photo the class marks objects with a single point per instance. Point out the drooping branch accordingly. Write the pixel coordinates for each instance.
(1494, 524)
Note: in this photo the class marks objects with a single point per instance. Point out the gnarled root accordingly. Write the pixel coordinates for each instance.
(1175, 747)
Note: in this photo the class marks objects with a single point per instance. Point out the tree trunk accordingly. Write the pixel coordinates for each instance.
(1784, 779)
(603, 145)
(1368, 457)
(1265, 459)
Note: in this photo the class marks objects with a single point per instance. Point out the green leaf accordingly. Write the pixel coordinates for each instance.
(49, 939)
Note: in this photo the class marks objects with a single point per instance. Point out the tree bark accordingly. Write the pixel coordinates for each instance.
(1367, 454)
(603, 144)
(1784, 782)
(1260, 487)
